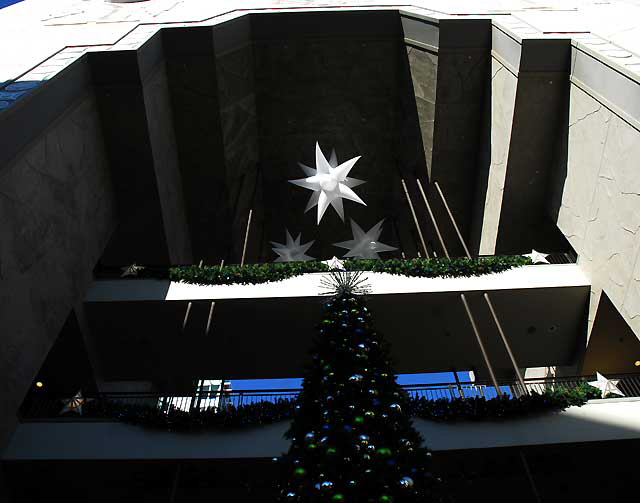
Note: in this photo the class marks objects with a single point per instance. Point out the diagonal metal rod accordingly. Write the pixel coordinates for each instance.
(506, 342)
(189, 305)
(433, 220)
(415, 218)
(532, 482)
(479, 340)
(213, 305)
(453, 220)
(246, 237)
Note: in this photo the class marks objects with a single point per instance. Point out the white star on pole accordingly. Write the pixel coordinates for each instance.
(365, 244)
(329, 183)
(537, 257)
(605, 385)
(292, 250)
(334, 263)
(75, 403)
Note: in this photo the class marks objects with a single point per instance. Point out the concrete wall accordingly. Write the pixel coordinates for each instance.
(504, 84)
(596, 191)
(598, 421)
(58, 210)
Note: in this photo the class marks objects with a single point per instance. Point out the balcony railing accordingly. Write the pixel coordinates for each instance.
(48, 406)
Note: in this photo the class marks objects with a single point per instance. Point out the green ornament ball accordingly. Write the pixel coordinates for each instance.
(358, 419)
(383, 451)
(300, 472)
(385, 499)
(312, 446)
(331, 451)
(337, 497)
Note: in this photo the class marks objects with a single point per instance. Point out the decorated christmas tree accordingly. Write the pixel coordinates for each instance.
(352, 440)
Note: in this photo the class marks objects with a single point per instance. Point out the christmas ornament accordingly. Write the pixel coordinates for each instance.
(292, 250)
(330, 184)
(365, 244)
(605, 385)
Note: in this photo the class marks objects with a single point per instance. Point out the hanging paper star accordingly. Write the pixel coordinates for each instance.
(605, 385)
(329, 183)
(131, 270)
(334, 263)
(292, 250)
(537, 257)
(75, 404)
(365, 244)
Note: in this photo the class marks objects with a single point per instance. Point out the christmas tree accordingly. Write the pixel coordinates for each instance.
(352, 440)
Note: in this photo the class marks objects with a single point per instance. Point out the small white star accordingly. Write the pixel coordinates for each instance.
(131, 270)
(330, 183)
(537, 257)
(292, 250)
(75, 404)
(605, 385)
(365, 244)
(334, 263)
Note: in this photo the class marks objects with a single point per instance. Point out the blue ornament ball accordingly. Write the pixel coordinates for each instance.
(406, 482)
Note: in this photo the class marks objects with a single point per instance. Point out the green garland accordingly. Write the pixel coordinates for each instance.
(419, 267)
(263, 413)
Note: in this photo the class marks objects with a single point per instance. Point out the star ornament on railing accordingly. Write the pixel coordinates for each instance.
(75, 403)
(605, 385)
(329, 183)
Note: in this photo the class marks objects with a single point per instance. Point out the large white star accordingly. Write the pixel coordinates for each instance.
(329, 183)
(537, 257)
(605, 385)
(365, 244)
(292, 250)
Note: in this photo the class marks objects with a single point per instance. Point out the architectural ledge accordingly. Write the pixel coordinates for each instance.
(310, 285)
(599, 420)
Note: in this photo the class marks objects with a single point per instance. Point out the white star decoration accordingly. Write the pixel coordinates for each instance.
(131, 270)
(605, 385)
(365, 244)
(537, 257)
(329, 183)
(75, 404)
(292, 250)
(334, 263)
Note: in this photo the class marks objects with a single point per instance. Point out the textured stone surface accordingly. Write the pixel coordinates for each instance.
(165, 162)
(58, 212)
(600, 210)
(503, 98)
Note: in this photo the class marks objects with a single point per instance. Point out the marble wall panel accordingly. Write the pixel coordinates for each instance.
(60, 211)
(165, 160)
(503, 97)
(600, 210)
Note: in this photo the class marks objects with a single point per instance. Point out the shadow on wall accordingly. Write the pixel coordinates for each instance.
(613, 347)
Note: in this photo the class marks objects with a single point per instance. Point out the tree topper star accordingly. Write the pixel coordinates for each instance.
(605, 385)
(334, 263)
(329, 183)
(537, 257)
(365, 244)
(292, 250)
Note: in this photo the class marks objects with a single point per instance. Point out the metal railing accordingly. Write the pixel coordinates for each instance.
(49, 406)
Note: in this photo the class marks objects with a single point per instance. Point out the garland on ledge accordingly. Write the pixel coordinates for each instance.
(418, 267)
(263, 413)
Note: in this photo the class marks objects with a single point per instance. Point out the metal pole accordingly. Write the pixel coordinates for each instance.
(174, 484)
(453, 220)
(246, 237)
(186, 314)
(482, 349)
(213, 305)
(530, 477)
(433, 220)
(455, 375)
(415, 218)
(506, 342)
